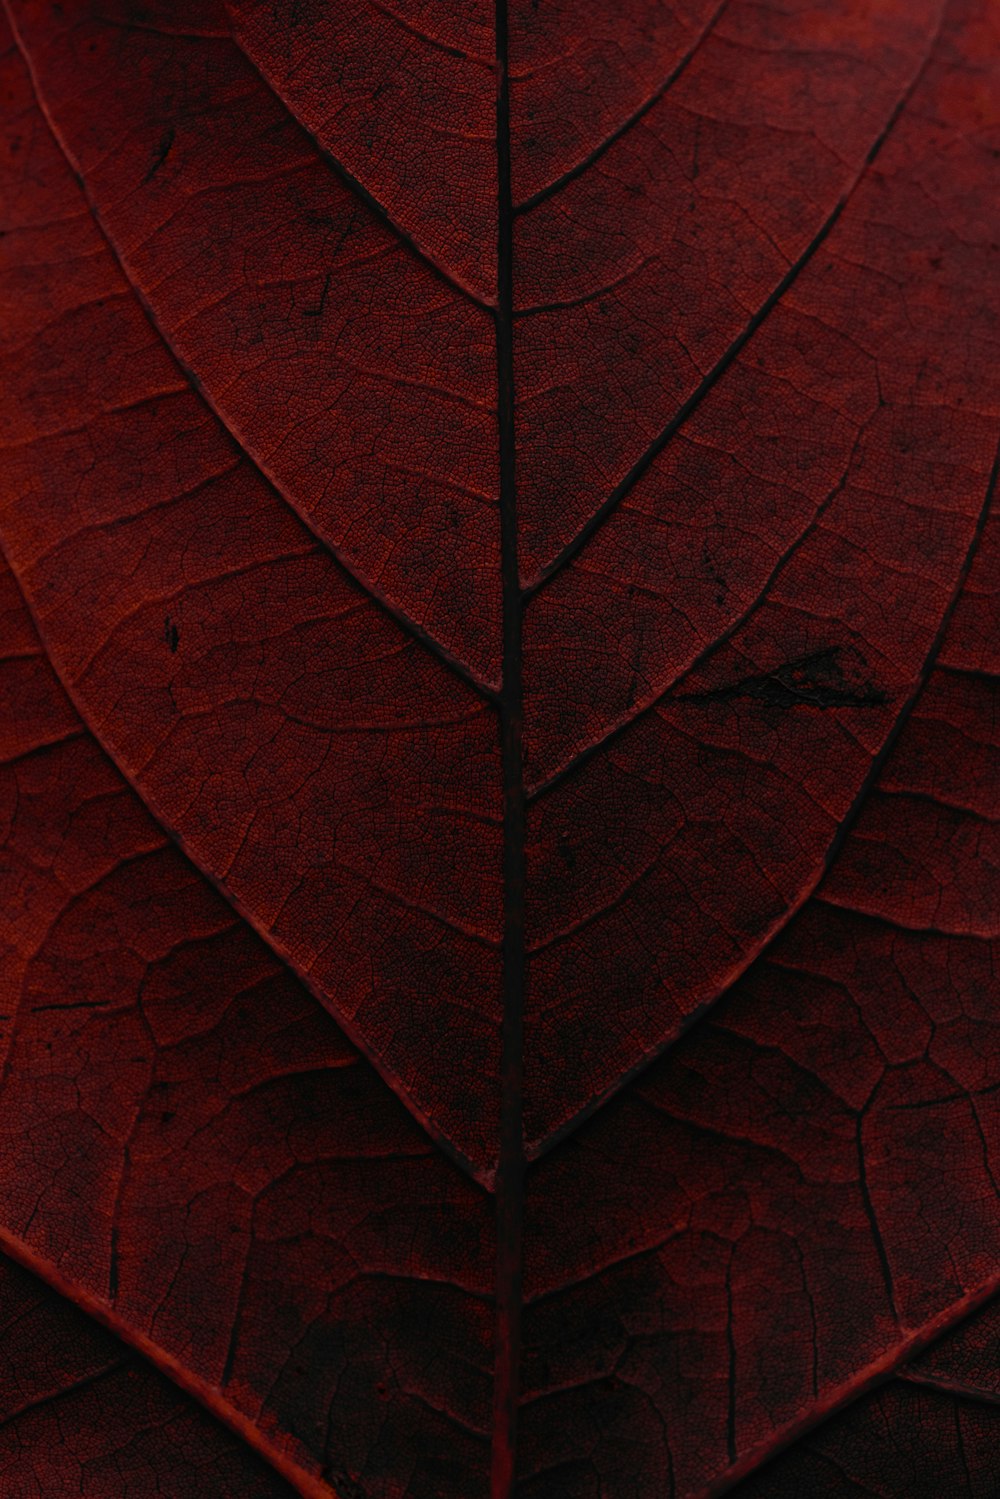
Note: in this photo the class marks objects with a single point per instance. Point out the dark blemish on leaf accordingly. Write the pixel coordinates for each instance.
(696, 153)
(161, 153)
(831, 678)
(171, 634)
(566, 851)
(715, 575)
(317, 311)
(345, 1484)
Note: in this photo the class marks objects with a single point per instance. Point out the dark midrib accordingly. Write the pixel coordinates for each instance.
(510, 1170)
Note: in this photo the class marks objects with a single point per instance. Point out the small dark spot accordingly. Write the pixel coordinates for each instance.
(566, 851)
(171, 634)
(160, 154)
(345, 1484)
(317, 311)
(167, 1115)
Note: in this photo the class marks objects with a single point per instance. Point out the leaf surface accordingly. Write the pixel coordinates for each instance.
(500, 628)
(82, 1414)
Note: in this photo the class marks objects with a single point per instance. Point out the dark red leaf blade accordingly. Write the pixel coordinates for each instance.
(648, 269)
(804, 1192)
(399, 99)
(907, 1440)
(80, 1413)
(198, 1157)
(300, 358)
(348, 350)
(172, 590)
(841, 598)
(933, 1429)
(722, 736)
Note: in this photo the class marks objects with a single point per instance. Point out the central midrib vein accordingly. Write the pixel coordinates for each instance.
(510, 1170)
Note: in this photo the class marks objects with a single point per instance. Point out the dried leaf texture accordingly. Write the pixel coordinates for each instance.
(499, 796)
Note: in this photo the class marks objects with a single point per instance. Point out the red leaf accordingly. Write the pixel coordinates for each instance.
(504, 502)
(83, 1415)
